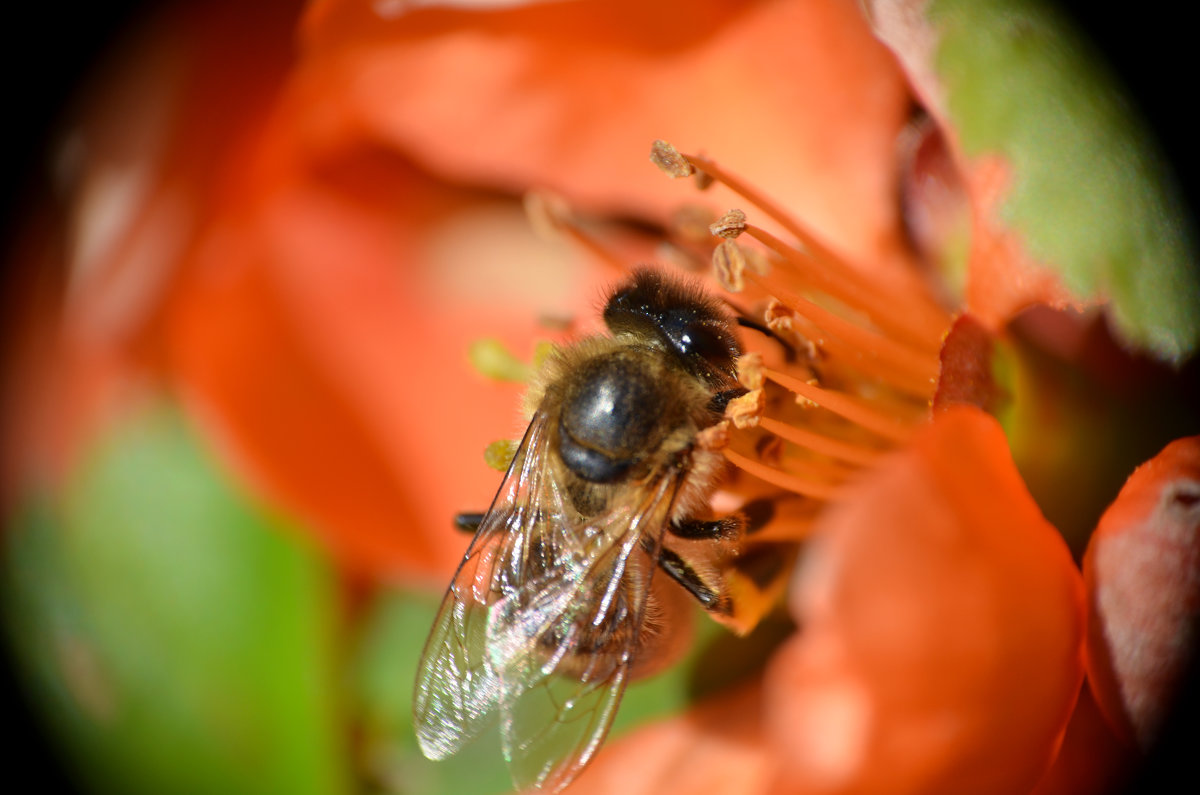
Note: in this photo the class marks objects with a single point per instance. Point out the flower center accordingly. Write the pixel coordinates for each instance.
(846, 364)
(859, 365)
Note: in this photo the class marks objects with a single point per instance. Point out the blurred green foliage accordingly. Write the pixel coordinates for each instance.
(179, 638)
(1091, 195)
(176, 637)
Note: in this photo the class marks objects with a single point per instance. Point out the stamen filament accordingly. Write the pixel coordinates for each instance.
(833, 448)
(912, 371)
(920, 324)
(602, 252)
(763, 203)
(549, 214)
(921, 319)
(783, 480)
(844, 406)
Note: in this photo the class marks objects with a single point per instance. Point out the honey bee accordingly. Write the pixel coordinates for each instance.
(552, 609)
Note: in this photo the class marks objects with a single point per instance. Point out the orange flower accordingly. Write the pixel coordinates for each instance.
(306, 270)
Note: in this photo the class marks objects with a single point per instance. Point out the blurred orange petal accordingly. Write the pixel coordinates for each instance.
(1142, 570)
(328, 308)
(715, 749)
(1092, 759)
(330, 359)
(942, 628)
(134, 175)
(568, 96)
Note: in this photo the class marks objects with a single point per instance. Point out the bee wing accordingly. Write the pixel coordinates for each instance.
(517, 630)
(457, 688)
(561, 647)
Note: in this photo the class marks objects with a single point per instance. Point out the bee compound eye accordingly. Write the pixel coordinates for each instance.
(698, 338)
(707, 347)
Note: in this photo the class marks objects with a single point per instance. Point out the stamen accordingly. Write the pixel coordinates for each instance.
(918, 304)
(785, 322)
(547, 212)
(691, 224)
(670, 161)
(550, 215)
(872, 342)
(919, 324)
(907, 369)
(761, 202)
(602, 252)
(818, 251)
(729, 266)
(729, 225)
(845, 406)
(834, 448)
(828, 471)
(671, 254)
(714, 437)
(750, 370)
(500, 453)
(784, 480)
(745, 411)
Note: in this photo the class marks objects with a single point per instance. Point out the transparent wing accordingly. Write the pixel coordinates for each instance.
(561, 647)
(540, 622)
(457, 689)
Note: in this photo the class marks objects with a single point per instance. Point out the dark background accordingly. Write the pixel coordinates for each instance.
(51, 46)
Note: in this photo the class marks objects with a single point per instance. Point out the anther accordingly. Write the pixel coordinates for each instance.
(729, 225)
(548, 213)
(669, 159)
(729, 262)
(714, 437)
(744, 411)
(500, 453)
(691, 223)
(750, 370)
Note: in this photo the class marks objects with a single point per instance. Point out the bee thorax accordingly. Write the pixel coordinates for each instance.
(612, 415)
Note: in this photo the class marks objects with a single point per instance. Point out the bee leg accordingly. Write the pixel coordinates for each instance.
(714, 529)
(468, 522)
(713, 599)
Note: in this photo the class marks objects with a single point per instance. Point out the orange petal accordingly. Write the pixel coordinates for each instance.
(715, 749)
(1142, 570)
(966, 376)
(134, 174)
(323, 334)
(1092, 760)
(942, 628)
(569, 96)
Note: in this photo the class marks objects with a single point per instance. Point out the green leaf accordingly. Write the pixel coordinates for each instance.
(1091, 195)
(177, 638)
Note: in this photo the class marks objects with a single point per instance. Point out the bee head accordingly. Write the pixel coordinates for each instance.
(682, 319)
